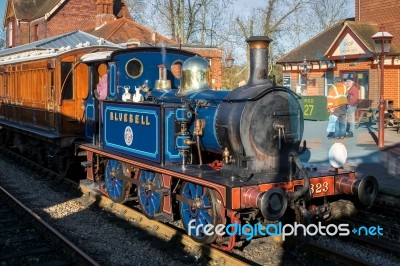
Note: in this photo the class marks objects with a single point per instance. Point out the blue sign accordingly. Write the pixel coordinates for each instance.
(133, 129)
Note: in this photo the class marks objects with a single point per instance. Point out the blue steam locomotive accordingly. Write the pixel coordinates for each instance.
(154, 127)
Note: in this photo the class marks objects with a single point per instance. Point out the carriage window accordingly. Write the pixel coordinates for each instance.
(134, 68)
(328, 81)
(10, 34)
(67, 81)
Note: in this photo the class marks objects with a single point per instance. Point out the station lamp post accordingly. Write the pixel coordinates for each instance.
(382, 41)
(229, 61)
(229, 64)
(305, 68)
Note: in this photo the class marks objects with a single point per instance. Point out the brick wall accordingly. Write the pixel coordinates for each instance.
(41, 29)
(391, 80)
(21, 34)
(75, 15)
(382, 12)
(315, 86)
(391, 84)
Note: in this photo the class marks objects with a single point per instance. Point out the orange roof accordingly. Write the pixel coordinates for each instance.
(124, 30)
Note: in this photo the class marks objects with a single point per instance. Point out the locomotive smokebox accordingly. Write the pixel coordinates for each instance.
(259, 124)
(258, 60)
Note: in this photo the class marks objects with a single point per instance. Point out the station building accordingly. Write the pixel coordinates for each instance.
(347, 50)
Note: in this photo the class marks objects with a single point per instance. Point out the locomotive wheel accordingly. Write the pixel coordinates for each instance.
(117, 188)
(202, 210)
(63, 165)
(150, 201)
(4, 138)
(40, 155)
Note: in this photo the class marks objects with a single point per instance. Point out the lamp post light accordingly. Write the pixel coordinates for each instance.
(382, 41)
(229, 61)
(229, 64)
(305, 68)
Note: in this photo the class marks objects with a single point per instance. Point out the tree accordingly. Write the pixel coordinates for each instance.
(2, 38)
(191, 21)
(291, 22)
(328, 12)
(270, 21)
(137, 9)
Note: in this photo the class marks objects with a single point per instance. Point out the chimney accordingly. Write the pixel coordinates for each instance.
(258, 60)
(105, 11)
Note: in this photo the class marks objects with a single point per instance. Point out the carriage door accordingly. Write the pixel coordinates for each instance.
(96, 72)
(51, 102)
(74, 89)
(82, 93)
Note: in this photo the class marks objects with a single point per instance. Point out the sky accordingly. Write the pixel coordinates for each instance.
(240, 5)
(2, 9)
(246, 6)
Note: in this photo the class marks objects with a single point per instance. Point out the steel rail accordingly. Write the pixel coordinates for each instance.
(138, 219)
(159, 229)
(79, 256)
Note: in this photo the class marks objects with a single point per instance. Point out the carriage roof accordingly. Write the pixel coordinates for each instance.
(52, 47)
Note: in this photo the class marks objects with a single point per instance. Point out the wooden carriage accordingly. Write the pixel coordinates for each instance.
(43, 93)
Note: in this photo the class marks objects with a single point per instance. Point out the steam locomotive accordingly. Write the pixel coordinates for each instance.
(153, 127)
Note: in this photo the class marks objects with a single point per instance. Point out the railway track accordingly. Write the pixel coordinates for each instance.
(168, 234)
(335, 257)
(385, 214)
(26, 239)
(163, 232)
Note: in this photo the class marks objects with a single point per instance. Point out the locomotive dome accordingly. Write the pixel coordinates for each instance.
(195, 75)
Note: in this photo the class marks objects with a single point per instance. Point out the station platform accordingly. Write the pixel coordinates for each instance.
(363, 154)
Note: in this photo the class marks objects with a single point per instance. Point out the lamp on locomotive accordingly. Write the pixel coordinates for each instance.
(196, 73)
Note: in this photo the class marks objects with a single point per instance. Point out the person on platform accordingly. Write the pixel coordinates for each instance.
(336, 104)
(352, 99)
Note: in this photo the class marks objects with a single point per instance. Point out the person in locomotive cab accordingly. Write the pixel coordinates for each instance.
(352, 99)
(101, 89)
(337, 106)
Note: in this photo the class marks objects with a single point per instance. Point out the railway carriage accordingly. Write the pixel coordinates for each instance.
(204, 156)
(42, 100)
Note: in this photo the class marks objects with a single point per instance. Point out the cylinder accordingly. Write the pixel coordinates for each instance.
(272, 203)
(365, 189)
